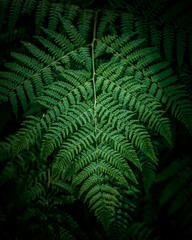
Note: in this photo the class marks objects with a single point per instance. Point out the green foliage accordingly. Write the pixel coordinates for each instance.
(100, 92)
(168, 201)
(39, 201)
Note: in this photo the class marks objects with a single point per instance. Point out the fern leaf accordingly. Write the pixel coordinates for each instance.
(22, 97)
(73, 33)
(102, 100)
(14, 103)
(173, 187)
(145, 108)
(78, 115)
(122, 217)
(107, 18)
(181, 46)
(148, 174)
(84, 22)
(55, 9)
(71, 11)
(155, 35)
(42, 10)
(28, 6)
(181, 199)
(127, 23)
(14, 11)
(168, 42)
(61, 40)
(134, 132)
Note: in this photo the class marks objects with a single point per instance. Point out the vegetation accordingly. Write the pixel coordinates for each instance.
(96, 119)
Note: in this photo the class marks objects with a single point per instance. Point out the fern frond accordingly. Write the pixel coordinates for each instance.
(42, 10)
(181, 199)
(14, 12)
(103, 98)
(55, 10)
(71, 11)
(135, 132)
(181, 46)
(29, 6)
(80, 140)
(32, 194)
(169, 94)
(106, 19)
(148, 174)
(122, 217)
(139, 230)
(36, 69)
(102, 197)
(127, 23)
(78, 115)
(168, 42)
(126, 94)
(177, 183)
(61, 40)
(174, 11)
(84, 22)
(73, 33)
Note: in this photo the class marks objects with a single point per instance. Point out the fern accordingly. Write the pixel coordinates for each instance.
(41, 13)
(28, 6)
(121, 219)
(39, 199)
(55, 10)
(168, 30)
(105, 95)
(139, 231)
(178, 182)
(15, 8)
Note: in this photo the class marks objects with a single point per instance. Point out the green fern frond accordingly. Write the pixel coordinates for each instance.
(134, 131)
(32, 194)
(42, 10)
(29, 6)
(36, 69)
(73, 33)
(174, 11)
(139, 230)
(126, 93)
(14, 11)
(121, 219)
(177, 183)
(106, 19)
(84, 22)
(170, 35)
(55, 10)
(181, 199)
(78, 115)
(103, 99)
(163, 80)
(148, 174)
(71, 11)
